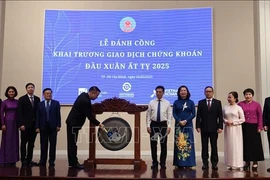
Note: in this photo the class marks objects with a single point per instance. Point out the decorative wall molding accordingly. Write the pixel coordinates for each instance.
(262, 28)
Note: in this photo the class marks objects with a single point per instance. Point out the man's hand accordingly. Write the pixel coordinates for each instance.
(198, 130)
(149, 130)
(37, 131)
(259, 130)
(168, 130)
(58, 129)
(219, 130)
(265, 128)
(22, 128)
(101, 126)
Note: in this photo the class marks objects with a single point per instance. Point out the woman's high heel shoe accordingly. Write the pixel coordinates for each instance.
(254, 167)
(247, 167)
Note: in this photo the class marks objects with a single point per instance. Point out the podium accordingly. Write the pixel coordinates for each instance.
(117, 105)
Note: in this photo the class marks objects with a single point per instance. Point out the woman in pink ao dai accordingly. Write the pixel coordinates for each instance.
(233, 138)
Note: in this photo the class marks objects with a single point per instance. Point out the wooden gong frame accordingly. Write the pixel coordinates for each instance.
(117, 105)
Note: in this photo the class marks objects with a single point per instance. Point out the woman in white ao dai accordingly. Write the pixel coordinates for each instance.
(233, 139)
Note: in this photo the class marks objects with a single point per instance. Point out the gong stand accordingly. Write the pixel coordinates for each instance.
(116, 105)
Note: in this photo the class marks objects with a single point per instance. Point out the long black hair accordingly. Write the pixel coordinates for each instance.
(179, 89)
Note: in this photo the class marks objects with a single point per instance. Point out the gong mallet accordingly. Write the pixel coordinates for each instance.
(109, 133)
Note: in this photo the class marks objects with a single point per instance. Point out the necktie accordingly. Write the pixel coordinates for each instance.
(47, 110)
(32, 100)
(208, 104)
(158, 111)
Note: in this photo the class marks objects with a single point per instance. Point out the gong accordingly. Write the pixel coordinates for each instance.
(117, 134)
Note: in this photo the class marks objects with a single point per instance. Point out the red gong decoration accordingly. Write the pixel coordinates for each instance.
(117, 105)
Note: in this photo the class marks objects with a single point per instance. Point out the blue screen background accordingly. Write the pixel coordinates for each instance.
(186, 31)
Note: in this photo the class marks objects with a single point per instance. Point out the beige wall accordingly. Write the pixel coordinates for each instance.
(2, 20)
(234, 51)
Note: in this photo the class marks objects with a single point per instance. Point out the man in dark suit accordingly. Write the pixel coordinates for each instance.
(266, 120)
(209, 122)
(27, 107)
(48, 123)
(81, 109)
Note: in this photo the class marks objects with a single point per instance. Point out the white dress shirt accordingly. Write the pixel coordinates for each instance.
(165, 111)
(29, 96)
(210, 101)
(45, 101)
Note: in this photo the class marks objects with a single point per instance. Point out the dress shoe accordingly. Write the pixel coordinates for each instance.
(51, 164)
(247, 167)
(268, 169)
(24, 163)
(77, 166)
(215, 174)
(32, 163)
(154, 166)
(41, 164)
(215, 168)
(205, 167)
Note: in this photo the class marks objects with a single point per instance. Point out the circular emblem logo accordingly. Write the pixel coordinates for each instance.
(127, 24)
(126, 86)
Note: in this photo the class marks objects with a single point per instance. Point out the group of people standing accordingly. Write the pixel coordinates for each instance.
(242, 123)
(30, 116)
